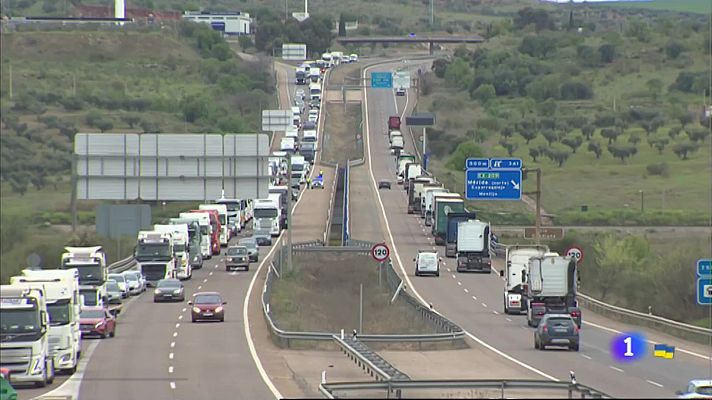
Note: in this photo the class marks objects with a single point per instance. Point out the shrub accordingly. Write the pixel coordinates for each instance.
(660, 168)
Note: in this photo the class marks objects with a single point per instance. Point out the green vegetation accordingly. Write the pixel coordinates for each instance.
(693, 6)
(611, 111)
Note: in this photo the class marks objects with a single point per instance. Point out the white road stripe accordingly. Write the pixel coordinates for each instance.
(466, 291)
(653, 383)
(205, 280)
(495, 312)
(173, 385)
(200, 287)
(453, 276)
(173, 344)
(484, 305)
(177, 325)
(509, 319)
(184, 309)
(585, 356)
(211, 273)
(615, 368)
(459, 283)
(170, 356)
(175, 334)
(170, 369)
(180, 317)
(449, 270)
(474, 297)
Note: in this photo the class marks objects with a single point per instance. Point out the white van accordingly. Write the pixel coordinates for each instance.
(315, 91)
(288, 145)
(310, 136)
(394, 134)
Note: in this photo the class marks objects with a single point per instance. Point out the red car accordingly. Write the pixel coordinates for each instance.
(207, 306)
(97, 321)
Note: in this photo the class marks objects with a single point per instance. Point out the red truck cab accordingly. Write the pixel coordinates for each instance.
(216, 229)
(394, 123)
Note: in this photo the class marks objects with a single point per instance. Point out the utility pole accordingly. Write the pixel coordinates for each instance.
(537, 221)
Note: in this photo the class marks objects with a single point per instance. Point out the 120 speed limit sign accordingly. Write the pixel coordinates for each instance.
(380, 252)
(576, 253)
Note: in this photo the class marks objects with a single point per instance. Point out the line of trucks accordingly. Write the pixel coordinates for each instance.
(537, 280)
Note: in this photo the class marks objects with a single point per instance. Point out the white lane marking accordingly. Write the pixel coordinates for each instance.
(474, 297)
(495, 312)
(216, 267)
(650, 341)
(205, 280)
(233, 273)
(184, 309)
(466, 291)
(395, 248)
(459, 283)
(177, 325)
(170, 369)
(180, 317)
(173, 344)
(70, 387)
(200, 287)
(509, 319)
(653, 383)
(449, 270)
(586, 357)
(170, 356)
(453, 276)
(484, 305)
(175, 334)
(211, 273)
(615, 368)
(173, 385)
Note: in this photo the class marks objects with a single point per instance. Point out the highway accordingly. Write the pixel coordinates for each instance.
(474, 301)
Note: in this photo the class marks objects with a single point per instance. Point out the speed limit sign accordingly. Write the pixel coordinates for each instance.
(380, 252)
(576, 253)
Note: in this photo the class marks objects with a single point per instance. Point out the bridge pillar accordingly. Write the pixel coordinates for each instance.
(431, 48)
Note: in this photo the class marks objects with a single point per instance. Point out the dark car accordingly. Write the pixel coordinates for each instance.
(309, 126)
(169, 290)
(557, 330)
(97, 321)
(237, 257)
(207, 306)
(384, 185)
(400, 92)
(252, 250)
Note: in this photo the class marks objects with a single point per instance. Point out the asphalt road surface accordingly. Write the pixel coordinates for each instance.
(475, 301)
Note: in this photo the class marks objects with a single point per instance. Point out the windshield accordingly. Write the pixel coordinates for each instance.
(91, 314)
(204, 230)
(59, 312)
(230, 205)
(168, 284)
(88, 273)
(89, 296)
(707, 390)
(153, 272)
(112, 287)
(265, 213)
(237, 251)
(559, 322)
(154, 251)
(178, 248)
(250, 244)
(223, 220)
(117, 278)
(207, 299)
(19, 321)
(131, 277)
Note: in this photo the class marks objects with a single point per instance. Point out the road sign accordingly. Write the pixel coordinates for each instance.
(505, 163)
(486, 184)
(380, 252)
(294, 51)
(576, 253)
(545, 232)
(704, 291)
(476, 163)
(277, 120)
(420, 119)
(704, 267)
(401, 79)
(381, 80)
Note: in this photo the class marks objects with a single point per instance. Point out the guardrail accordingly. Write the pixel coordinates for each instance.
(581, 391)
(370, 361)
(122, 265)
(676, 328)
(446, 330)
(345, 234)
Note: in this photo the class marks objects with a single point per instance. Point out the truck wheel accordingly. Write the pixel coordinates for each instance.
(227, 268)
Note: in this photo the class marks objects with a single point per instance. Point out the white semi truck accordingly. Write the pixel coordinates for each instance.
(225, 231)
(181, 248)
(473, 246)
(203, 220)
(194, 240)
(24, 335)
(90, 262)
(61, 289)
(551, 288)
(154, 254)
(266, 215)
(515, 274)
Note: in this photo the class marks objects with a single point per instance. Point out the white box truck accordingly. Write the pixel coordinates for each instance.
(61, 289)
(24, 336)
(181, 249)
(473, 246)
(516, 270)
(551, 288)
(266, 216)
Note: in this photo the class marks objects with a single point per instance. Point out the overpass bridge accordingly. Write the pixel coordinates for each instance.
(412, 39)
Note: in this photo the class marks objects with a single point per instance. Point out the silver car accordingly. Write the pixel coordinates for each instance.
(252, 250)
(121, 280)
(137, 284)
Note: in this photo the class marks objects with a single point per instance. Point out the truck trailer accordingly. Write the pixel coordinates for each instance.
(515, 273)
(473, 246)
(453, 219)
(551, 288)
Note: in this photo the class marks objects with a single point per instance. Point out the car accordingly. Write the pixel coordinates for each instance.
(427, 263)
(313, 116)
(237, 257)
(299, 103)
(309, 126)
(252, 250)
(400, 91)
(169, 289)
(315, 104)
(384, 184)
(114, 294)
(207, 306)
(97, 321)
(121, 280)
(353, 58)
(299, 94)
(317, 183)
(132, 278)
(557, 330)
(696, 389)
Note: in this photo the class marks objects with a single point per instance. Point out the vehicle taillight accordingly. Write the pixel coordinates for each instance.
(575, 314)
(540, 313)
(576, 328)
(546, 329)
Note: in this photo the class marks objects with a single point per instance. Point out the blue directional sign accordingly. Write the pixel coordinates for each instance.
(381, 80)
(704, 291)
(487, 184)
(704, 267)
(505, 163)
(477, 163)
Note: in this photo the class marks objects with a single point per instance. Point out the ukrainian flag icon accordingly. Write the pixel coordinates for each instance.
(664, 351)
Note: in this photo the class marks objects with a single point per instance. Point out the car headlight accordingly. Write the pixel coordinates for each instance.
(219, 309)
(176, 291)
(157, 291)
(196, 309)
